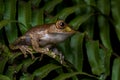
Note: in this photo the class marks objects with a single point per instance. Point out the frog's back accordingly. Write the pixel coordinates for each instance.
(37, 28)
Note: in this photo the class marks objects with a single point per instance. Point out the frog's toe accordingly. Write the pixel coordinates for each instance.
(25, 50)
(29, 50)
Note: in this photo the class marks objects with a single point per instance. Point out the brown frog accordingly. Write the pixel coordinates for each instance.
(42, 37)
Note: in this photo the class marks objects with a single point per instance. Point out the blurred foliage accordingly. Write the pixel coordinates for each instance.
(91, 54)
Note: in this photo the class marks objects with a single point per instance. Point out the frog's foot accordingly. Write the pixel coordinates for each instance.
(25, 50)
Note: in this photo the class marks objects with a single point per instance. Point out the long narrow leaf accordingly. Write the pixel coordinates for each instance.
(104, 6)
(38, 17)
(116, 16)
(1, 9)
(45, 70)
(94, 57)
(91, 2)
(3, 77)
(27, 62)
(24, 15)
(104, 32)
(77, 50)
(76, 22)
(49, 6)
(10, 13)
(27, 76)
(35, 2)
(65, 13)
(12, 70)
(4, 55)
(116, 69)
(65, 76)
(90, 24)
(105, 56)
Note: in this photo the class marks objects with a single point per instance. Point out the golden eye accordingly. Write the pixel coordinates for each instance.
(60, 24)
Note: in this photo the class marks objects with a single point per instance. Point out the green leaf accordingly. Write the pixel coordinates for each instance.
(10, 14)
(91, 2)
(66, 75)
(4, 56)
(78, 1)
(1, 9)
(27, 76)
(3, 77)
(105, 56)
(77, 50)
(94, 57)
(65, 13)
(116, 69)
(49, 6)
(116, 16)
(2, 41)
(104, 6)
(66, 50)
(3, 63)
(104, 32)
(90, 26)
(38, 17)
(24, 15)
(45, 70)
(10, 72)
(27, 62)
(76, 22)
(4, 23)
(90, 23)
(35, 3)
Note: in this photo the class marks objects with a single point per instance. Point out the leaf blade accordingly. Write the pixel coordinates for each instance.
(43, 71)
(116, 69)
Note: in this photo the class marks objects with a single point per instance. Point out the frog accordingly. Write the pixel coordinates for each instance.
(42, 37)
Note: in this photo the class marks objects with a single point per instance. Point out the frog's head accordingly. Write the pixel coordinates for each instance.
(59, 31)
(60, 27)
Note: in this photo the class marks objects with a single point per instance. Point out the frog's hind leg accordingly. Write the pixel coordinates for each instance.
(24, 49)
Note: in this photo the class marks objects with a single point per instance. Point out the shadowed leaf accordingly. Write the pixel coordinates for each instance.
(45, 70)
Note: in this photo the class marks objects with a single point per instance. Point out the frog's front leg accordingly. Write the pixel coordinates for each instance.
(35, 45)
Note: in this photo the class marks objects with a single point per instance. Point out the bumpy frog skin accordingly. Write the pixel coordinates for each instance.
(42, 37)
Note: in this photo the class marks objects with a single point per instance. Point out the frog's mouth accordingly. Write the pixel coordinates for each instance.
(64, 33)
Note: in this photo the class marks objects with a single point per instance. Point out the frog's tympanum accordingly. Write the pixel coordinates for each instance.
(40, 38)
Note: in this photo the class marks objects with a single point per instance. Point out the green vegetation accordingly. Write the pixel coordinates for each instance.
(91, 54)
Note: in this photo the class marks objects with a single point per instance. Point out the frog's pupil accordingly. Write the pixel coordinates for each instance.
(62, 24)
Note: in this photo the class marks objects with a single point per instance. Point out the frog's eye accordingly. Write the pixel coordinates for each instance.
(60, 24)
